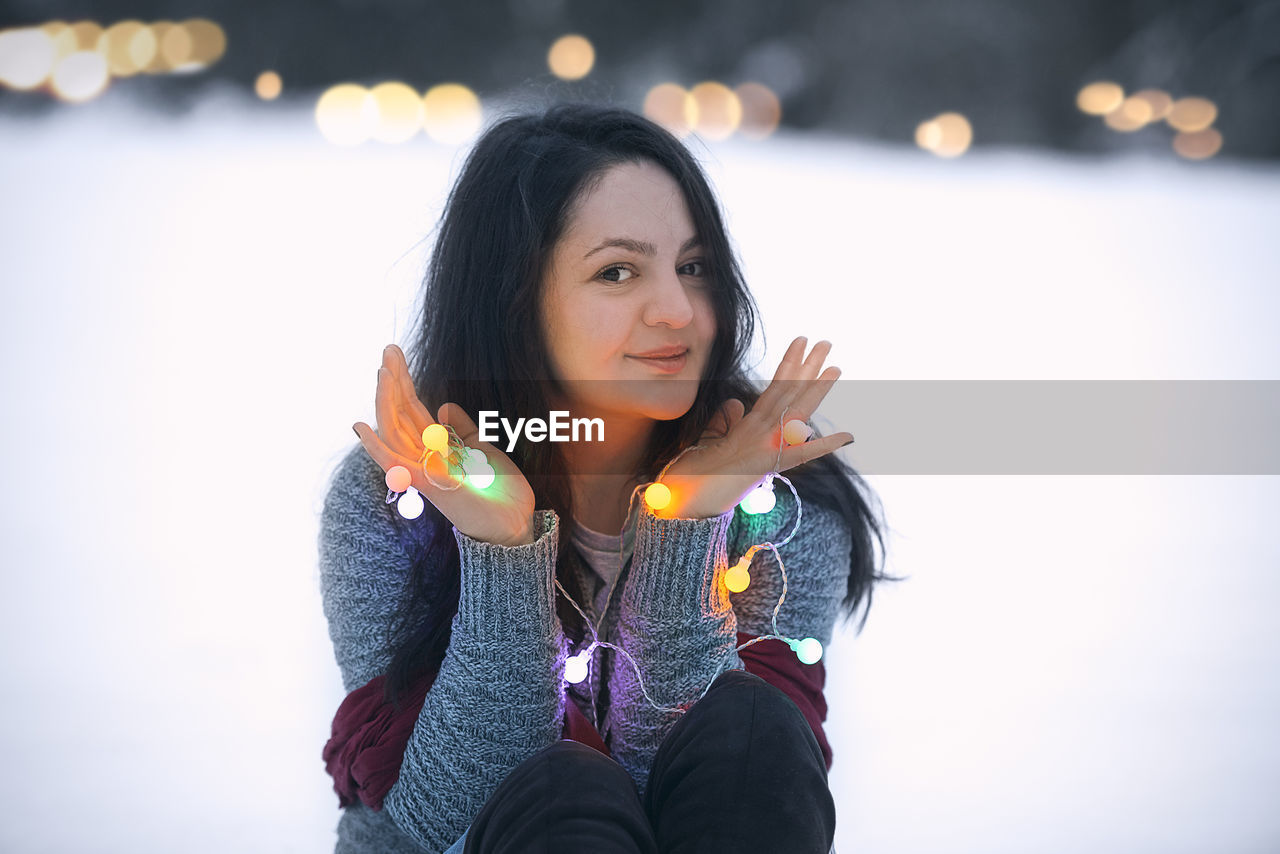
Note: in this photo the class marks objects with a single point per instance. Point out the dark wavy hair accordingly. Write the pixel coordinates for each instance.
(479, 342)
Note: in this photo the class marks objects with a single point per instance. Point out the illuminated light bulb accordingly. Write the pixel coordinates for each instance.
(476, 468)
(346, 114)
(571, 57)
(398, 478)
(738, 578)
(268, 86)
(719, 110)
(946, 135)
(761, 110)
(1198, 145)
(435, 438)
(80, 76)
(1098, 99)
(671, 106)
(1191, 114)
(575, 667)
(761, 499)
(410, 504)
(451, 113)
(27, 57)
(809, 650)
(657, 496)
(481, 475)
(114, 45)
(796, 432)
(399, 112)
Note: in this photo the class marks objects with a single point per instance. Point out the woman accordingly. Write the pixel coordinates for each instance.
(582, 265)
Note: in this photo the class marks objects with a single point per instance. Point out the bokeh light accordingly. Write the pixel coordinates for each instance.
(1198, 144)
(80, 76)
(176, 46)
(1133, 114)
(719, 112)
(26, 57)
(571, 57)
(452, 113)
(85, 35)
(208, 41)
(671, 106)
(64, 39)
(946, 135)
(115, 46)
(268, 86)
(1100, 98)
(346, 114)
(1159, 101)
(1192, 114)
(159, 60)
(143, 48)
(400, 112)
(761, 110)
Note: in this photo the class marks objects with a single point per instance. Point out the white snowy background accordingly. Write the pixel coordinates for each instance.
(193, 314)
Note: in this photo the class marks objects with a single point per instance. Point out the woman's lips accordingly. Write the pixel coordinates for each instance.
(668, 365)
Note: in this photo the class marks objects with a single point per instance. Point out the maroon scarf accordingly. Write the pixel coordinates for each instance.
(369, 736)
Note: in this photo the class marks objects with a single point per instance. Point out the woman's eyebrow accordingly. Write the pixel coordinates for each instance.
(640, 247)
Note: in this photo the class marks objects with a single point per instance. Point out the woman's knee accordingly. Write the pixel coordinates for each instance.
(573, 760)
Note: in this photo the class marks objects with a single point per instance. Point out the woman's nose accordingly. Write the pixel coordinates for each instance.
(668, 303)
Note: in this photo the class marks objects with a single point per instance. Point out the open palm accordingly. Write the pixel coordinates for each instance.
(500, 513)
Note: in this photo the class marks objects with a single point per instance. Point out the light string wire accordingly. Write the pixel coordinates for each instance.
(589, 651)
(455, 444)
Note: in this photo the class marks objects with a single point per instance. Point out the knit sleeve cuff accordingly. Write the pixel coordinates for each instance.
(507, 592)
(678, 567)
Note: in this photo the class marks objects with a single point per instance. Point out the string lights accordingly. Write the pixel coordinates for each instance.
(477, 472)
(445, 442)
(737, 578)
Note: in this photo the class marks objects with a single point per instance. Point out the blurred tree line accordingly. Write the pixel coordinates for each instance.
(874, 68)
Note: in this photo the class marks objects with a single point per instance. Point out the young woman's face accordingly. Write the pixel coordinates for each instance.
(627, 279)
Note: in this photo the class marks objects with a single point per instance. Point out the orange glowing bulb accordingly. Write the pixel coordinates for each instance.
(435, 438)
(796, 432)
(657, 496)
(398, 478)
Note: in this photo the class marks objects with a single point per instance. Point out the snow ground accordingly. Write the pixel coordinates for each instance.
(193, 315)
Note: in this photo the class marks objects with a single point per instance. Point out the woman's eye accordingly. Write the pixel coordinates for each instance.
(694, 268)
(616, 275)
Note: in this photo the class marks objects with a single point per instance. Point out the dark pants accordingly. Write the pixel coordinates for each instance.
(740, 772)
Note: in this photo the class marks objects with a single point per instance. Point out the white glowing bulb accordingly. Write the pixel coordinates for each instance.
(761, 499)
(809, 650)
(475, 456)
(479, 475)
(410, 504)
(575, 667)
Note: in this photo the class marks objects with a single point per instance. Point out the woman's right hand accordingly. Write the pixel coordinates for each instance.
(502, 513)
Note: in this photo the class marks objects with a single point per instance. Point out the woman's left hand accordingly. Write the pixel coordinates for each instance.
(739, 448)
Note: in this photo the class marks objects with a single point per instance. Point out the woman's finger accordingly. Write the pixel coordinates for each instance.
(393, 434)
(807, 402)
(777, 388)
(413, 411)
(378, 450)
(813, 364)
(456, 417)
(798, 455)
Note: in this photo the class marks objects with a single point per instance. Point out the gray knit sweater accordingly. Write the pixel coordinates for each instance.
(498, 697)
